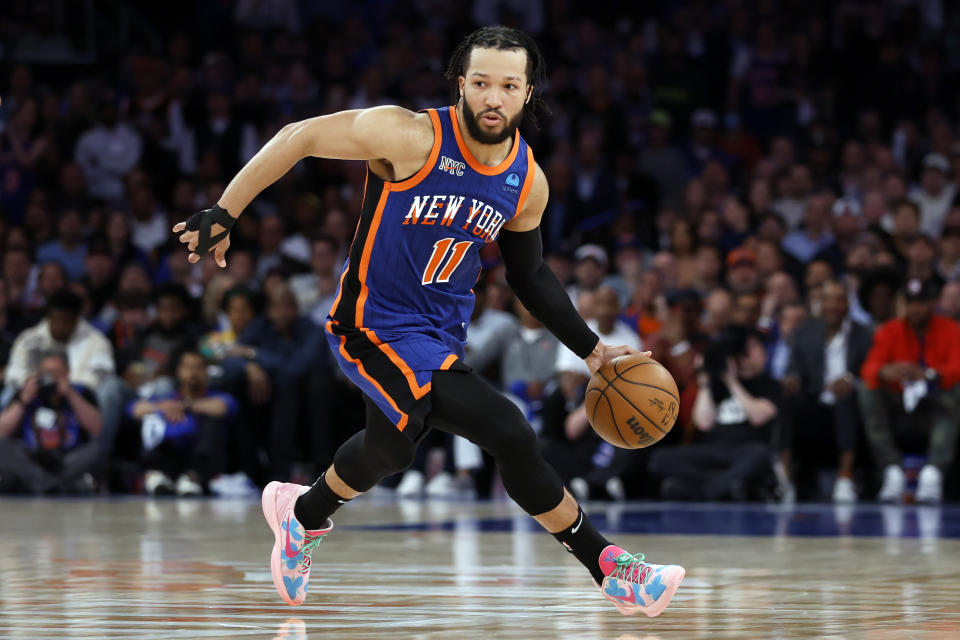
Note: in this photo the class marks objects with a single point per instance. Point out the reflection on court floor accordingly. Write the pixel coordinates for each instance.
(132, 568)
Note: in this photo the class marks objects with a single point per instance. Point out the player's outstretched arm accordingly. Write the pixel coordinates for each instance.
(399, 137)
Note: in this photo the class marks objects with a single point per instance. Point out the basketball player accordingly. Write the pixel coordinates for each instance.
(440, 185)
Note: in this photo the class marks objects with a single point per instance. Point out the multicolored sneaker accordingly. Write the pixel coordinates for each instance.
(634, 585)
(290, 560)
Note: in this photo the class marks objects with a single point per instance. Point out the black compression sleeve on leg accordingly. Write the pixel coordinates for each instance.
(540, 291)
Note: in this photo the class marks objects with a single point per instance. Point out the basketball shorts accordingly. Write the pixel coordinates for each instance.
(395, 369)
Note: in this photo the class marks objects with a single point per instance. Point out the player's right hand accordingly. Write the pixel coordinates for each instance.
(216, 223)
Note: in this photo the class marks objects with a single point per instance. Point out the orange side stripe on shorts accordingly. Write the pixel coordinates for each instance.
(415, 388)
(343, 350)
(448, 362)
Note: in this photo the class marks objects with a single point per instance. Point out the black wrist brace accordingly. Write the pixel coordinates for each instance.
(202, 223)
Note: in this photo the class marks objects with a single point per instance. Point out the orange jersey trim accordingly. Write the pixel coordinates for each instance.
(475, 164)
(448, 362)
(415, 388)
(336, 302)
(367, 250)
(343, 350)
(428, 166)
(528, 181)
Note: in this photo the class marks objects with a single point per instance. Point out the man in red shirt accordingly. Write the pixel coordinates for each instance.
(911, 397)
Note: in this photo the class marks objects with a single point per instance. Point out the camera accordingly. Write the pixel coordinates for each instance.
(47, 389)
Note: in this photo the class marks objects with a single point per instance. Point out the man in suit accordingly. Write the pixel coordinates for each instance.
(820, 405)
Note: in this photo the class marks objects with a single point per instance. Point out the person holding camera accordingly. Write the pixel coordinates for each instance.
(48, 431)
(734, 411)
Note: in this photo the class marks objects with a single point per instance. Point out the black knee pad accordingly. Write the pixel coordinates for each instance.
(391, 455)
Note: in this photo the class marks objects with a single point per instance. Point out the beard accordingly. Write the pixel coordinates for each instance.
(483, 137)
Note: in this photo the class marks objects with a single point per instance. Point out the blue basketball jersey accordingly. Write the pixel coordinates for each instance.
(414, 260)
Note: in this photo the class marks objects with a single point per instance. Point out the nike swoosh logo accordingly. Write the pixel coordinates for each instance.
(289, 550)
(579, 522)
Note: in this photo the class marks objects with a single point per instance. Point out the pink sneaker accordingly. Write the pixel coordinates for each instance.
(634, 585)
(290, 560)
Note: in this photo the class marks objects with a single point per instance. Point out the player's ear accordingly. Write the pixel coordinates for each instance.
(529, 94)
(460, 83)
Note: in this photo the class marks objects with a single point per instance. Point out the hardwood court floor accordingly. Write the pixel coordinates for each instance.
(155, 569)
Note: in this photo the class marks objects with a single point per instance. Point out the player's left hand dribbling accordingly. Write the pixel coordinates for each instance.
(603, 353)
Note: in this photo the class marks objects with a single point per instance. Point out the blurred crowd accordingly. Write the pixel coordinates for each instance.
(764, 194)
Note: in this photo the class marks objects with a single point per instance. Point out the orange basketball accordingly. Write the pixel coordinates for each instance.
(632, 401)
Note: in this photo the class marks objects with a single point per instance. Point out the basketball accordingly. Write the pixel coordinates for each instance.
(632, 401)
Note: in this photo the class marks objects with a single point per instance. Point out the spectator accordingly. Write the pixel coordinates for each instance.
(571, 446)
(911, 394)
(935, 193)
(779, 291)
(120, 242)
(664, 162)
(149, 356)
(815, 237)
(183, 431)
(591, 267)
(68, 249)
(529, 361)
(745, 311)
(906, 225)
(949, 304)
(643, 311)
(315, 291)
(108, 152)
(684, 249)
(948, 262)
(820, 404)
(149, 228)
(270, 237)
(16, 276)
(717, 311)
(489, 333)
(47, 432)
(51, 277)
(101, 274)
(62, 327)
(239, 304)
(734, 412)
(877, 294)
(709, 269)
(795, 188)
(284, 364)
(791, 315)
(921, 260)
(742, 275)
(132, 318)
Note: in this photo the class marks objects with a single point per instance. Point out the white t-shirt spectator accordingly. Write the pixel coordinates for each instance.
(933, 209)
(106, 155)
(89, 352)
(622, 334)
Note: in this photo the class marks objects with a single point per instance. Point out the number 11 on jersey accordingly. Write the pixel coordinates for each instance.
(440, 249)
